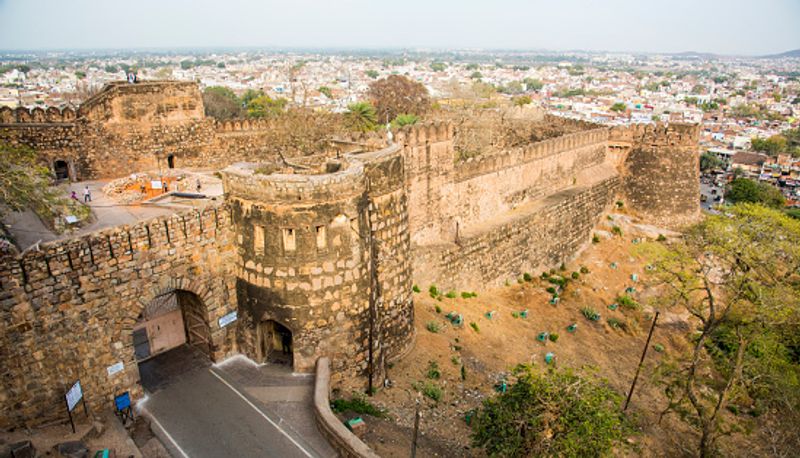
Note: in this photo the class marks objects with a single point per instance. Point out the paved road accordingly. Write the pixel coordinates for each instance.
(237, 409)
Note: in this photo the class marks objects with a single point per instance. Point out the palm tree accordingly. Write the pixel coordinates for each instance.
(361, 116)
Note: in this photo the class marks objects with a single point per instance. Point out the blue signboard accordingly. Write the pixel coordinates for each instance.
(228, 319)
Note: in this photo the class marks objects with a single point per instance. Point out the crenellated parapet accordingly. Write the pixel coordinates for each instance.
(420, 134)
(37, 115)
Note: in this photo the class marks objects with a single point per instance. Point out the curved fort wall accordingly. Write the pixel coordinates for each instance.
(326, 257)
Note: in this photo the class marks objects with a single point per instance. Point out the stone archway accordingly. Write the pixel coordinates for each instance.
(275, 343)
(61, 170)
(172, 334)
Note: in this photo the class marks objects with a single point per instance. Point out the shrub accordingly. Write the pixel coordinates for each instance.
(429, 389)
(575, 275)
(450, 295)
(468, 295)
(562, 267)
(564, 414)
(455, 360)
(432, 326)
(437, 308)
(590, 313)
(527, 277)
(658, 347)
(474, 326)
(463, 372)
(584, 270)
(553, 337)
(616, 230)
(551, 290)
(433, 291)
(415, 288)
(616, 323)
(595, 239)
(433, 371)
(357, 404)
(627, 302)
(620, 204)
(661, 238)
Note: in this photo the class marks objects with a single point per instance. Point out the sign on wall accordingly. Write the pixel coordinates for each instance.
(115, 368)
(228, 319)
(74, 395)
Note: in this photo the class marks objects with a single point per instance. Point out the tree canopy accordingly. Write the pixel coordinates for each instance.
(751, 191)
(736, 275)
(24, 182)
(265, 106)
(221, 103)
(708, 161)
(559, 413)
(361, 116)
(395, 95)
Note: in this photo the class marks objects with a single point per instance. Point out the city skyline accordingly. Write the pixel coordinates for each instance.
(617, 26)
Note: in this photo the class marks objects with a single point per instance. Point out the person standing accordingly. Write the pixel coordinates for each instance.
(199, 186)
(87, 195)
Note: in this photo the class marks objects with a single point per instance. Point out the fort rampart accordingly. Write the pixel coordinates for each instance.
(326, 254)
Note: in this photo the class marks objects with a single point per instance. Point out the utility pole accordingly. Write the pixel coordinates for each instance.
(641, 361)
(416, 432)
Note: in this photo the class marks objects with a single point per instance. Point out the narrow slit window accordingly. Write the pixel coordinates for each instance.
(289, 240)
(322, 240)
(258, 239)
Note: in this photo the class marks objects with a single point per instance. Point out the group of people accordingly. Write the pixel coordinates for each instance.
(87, 195)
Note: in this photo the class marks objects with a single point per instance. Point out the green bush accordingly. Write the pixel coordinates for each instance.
(463, 372)
(415, 288)
(590, 313)
(429, 389)
(553, 337)
(433, 371)
(575, 275)
(620, 204)
(450, 295)
(474, 326)
(357, 404)
(527, 277)
(468, 295)
(584, 270)
(432, 326)
(627, 302)
(562, 413)
(595, 239)
(433, 291)
(616, 323)
(455, 360)
(616, 230)
(550, 290)
(437, 308)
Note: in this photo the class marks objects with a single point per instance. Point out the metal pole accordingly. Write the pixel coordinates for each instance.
(641, 361)
(69, 412)
(416, 432)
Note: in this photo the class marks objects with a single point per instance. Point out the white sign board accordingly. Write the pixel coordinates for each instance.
(71, 219)
(227, 319)
(115, 368)
(155, 184)
(74, 395)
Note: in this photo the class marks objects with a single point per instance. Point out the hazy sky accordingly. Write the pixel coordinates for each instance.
(720, 26)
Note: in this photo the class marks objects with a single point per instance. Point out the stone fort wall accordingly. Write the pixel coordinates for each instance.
(361, 232)
(67, 312)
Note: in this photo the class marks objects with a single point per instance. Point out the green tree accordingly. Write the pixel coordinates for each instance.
(25, 182)
(221, 103)
(372, 73)
(438, 66)
(709, 161)
(533, 84)
(326, 91)
(404, 120)
(80, 74)
(361, 116)
(476, 75)
(773, 145)
(187, 64)
(251, 94)
(619, 107)
(751, 191)
(736, 275)
(558, 413)
(265, 106)
(521, 100)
